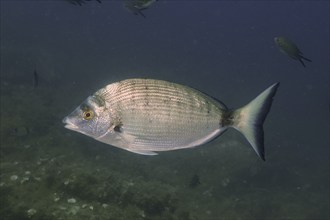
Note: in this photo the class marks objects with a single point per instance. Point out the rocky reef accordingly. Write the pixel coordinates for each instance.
(48, 172)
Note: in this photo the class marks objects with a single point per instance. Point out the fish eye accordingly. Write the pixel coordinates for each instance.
(88, 114)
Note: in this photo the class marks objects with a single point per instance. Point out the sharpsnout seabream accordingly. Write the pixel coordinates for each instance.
(146, 116)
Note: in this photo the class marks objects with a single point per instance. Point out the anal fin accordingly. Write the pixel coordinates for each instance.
(302, 62)
(143, 152)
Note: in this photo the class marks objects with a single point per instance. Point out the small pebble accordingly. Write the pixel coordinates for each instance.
(13, 177)
(25, 179)
(143, 215)
(74, 210)
(72, 200)
(37, 178)
(31, 212)
(62, 208)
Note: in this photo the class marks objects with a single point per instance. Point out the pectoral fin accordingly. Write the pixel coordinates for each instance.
(124, 137)
(117, 137)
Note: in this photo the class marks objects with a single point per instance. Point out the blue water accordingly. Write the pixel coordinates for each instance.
(223, 48)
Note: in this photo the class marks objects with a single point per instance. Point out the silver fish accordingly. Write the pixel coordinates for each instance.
(147, 115)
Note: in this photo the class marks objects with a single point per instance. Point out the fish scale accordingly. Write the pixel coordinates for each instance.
(143, 111)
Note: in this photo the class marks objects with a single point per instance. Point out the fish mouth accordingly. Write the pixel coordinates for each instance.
(69, 124)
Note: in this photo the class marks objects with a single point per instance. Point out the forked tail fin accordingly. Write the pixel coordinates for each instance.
(301, 58)
(250, 118)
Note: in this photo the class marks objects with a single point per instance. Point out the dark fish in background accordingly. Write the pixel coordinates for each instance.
(35, 79)
(136, 6)
(194, 181)
(291, 49)
(20, 131)
(79, 2)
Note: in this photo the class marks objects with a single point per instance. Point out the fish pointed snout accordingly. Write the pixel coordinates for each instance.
(69, 124)
(64, 120)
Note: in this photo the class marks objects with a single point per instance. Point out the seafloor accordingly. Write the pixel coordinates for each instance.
(48, 172)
